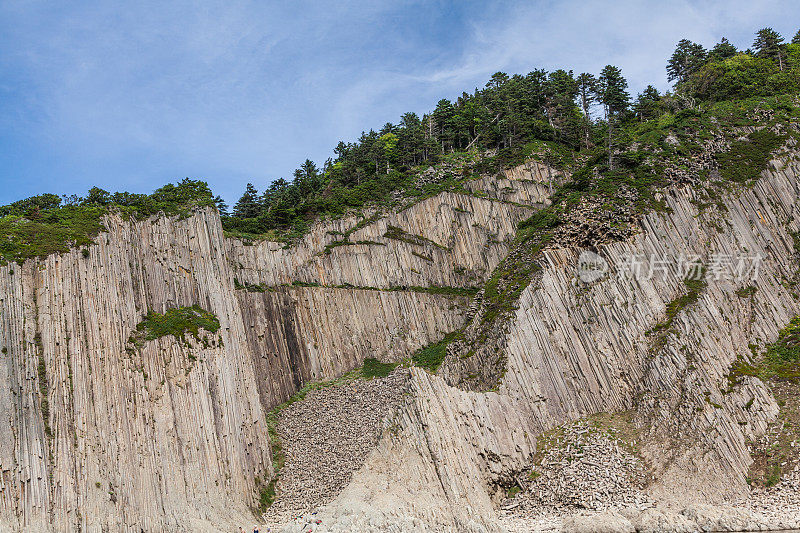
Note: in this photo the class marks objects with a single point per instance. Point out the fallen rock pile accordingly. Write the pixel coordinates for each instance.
(327, 436)
(582, 467)
(779, 504)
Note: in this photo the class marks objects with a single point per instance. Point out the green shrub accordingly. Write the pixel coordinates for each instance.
(375, 369)
(780, 361)
(40, 225)
(431, 356)
(52, 231)
(746, 159)
(177, 322)
(746, 292)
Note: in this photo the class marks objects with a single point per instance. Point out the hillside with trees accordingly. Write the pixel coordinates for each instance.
(559, 115)
(582, 122)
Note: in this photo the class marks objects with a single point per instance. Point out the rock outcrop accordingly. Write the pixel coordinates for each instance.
(172, 435)
(100, 435)
(618, 343)
(435, 464)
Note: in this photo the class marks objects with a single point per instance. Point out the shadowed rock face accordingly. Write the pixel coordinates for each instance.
(172, 436)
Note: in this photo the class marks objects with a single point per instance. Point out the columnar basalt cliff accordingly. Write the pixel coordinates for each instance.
(104, 434)
(451, 240)
(574, 348)
(108, 432)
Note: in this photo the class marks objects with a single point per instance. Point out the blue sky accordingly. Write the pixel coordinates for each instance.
(132, 95)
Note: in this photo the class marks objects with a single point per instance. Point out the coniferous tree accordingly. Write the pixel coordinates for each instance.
(411, 139)
(310, 172)
(647, 103)
(796, 38)
(687, 58)
(98, 196)
(222, 207)
(443, 117)
(587, 90)
(722, 50)
(248, 205)
(769, 44)
(560, 103)
(612, 93)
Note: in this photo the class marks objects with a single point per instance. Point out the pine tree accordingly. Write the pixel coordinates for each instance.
(687, 58)
(647, 102)
(796, 38)
(443, 117)
(612, 93)
(562, 89)
(311, 173)
(587, 88)
(248, 205)
(722, 50)
(769, 44)
(98, 196)
(222, 207)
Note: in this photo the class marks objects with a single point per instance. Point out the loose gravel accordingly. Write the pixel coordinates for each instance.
(327, 436)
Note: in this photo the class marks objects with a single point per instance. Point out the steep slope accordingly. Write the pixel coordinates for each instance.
(574, 348)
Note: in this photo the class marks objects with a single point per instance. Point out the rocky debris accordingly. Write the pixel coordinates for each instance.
(428, 176)
(605, 522)
(778, 505)
(691, 170)
(590, 225)
(327, 436)
(658, 520)
(371, 522)
(582, 467)
(587, 479)
(776, 453)
(443, 451)
(443, 171)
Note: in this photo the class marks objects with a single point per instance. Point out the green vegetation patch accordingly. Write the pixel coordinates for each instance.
(781, 360)
(453, 292)
(661, 330)
(399, 234)
(747, 158)
(431, 356)
(45, 224)
(376, 369)
(777, 452)
(44, 401)
(250, 287)
(48, 232)
(177, 322)
(746, 292)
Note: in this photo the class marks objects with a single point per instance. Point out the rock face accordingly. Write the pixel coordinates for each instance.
(172, 436)
(463, 239)
(573, 348)
(576, 348)
(434, 464)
